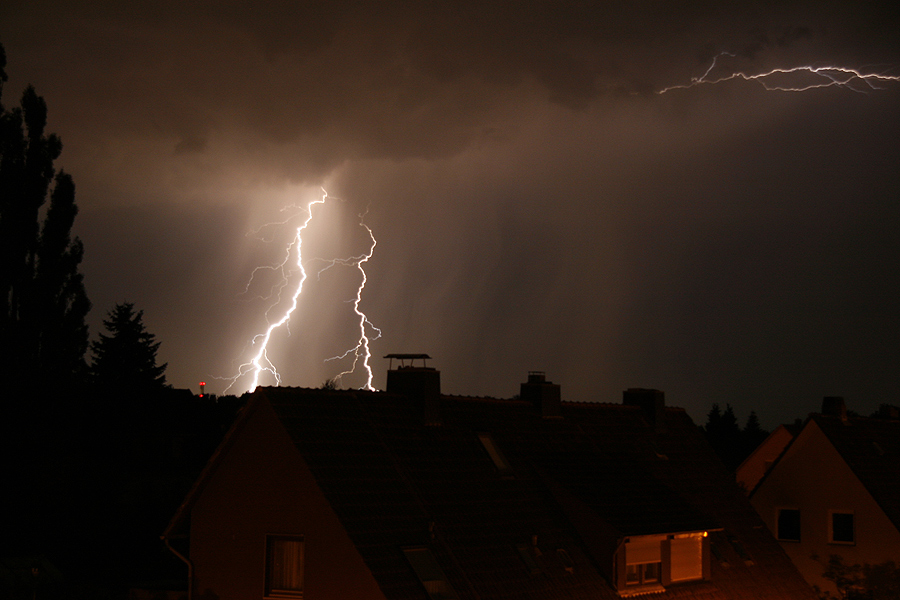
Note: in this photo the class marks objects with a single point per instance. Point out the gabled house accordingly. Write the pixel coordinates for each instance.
(409, 494)
(835, 490)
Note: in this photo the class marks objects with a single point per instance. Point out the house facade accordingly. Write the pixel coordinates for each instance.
(835, 491)
(411, 494)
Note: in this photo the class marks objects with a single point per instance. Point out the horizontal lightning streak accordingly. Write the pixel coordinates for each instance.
(831, 76)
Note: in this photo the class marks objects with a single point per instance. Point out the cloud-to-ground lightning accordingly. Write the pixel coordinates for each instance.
(260, 363)
(787, 79)
(361, 350)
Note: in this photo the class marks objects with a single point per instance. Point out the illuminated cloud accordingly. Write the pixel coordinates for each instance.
(537, 205)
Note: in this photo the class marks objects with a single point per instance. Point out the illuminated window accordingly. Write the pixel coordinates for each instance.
(430, 574)
(643, 573)
(840, 530)
(494, 452)
(284, 566)
(788, 525)
(643, 560)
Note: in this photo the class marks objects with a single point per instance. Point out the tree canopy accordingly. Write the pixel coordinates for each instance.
(731, 443)
(126, 357)
(43, 303)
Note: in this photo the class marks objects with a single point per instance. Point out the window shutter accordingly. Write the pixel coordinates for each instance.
(687, 558)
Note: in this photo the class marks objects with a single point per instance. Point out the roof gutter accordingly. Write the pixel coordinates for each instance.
(185, 560)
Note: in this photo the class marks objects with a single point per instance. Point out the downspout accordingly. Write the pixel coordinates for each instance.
(185, 560)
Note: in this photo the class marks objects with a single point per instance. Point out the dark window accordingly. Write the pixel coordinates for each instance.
(788, 524)
(842, 528)
(284, 566)
(430, 574)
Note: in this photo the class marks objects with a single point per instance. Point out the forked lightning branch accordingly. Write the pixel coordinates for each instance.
(284, 298)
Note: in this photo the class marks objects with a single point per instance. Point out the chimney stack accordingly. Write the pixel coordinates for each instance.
(651, 402)
(419, 382)
(544, 395)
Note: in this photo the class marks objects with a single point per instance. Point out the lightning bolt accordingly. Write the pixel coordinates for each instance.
(823, 77)
(361, 350)
(260, 363)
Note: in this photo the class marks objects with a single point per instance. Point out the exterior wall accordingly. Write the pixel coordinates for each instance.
(815, 479)
(755, 466)
(263, 486)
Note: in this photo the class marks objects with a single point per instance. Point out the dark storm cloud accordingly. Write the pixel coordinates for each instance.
(537, 204)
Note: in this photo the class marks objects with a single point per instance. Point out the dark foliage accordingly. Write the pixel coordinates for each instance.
(731, 443)
(126, 358)
(861, 582)
(43, 303)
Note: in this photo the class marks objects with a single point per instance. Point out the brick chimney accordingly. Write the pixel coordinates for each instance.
(651, 402)
(543, 395)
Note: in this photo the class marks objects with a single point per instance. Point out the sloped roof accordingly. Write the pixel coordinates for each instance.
(871, 448)
(577, 483)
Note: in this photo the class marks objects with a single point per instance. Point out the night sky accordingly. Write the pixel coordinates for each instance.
(536, 204)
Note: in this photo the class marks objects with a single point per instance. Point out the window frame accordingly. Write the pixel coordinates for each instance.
(269, 590)
(831, 515)
(779, 527)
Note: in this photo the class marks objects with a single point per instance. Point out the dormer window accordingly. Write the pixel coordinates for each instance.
(643, 560)
(652, 562)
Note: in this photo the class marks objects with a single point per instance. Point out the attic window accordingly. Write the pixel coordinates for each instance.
(840, 528)
(284, 566)
(494, 452)
(430, 574)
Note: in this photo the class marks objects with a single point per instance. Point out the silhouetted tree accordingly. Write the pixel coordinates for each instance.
(43, 303)
(126, 358)
(725, 436)
(752, 435)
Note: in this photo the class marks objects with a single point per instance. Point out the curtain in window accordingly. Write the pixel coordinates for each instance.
(286, 566)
